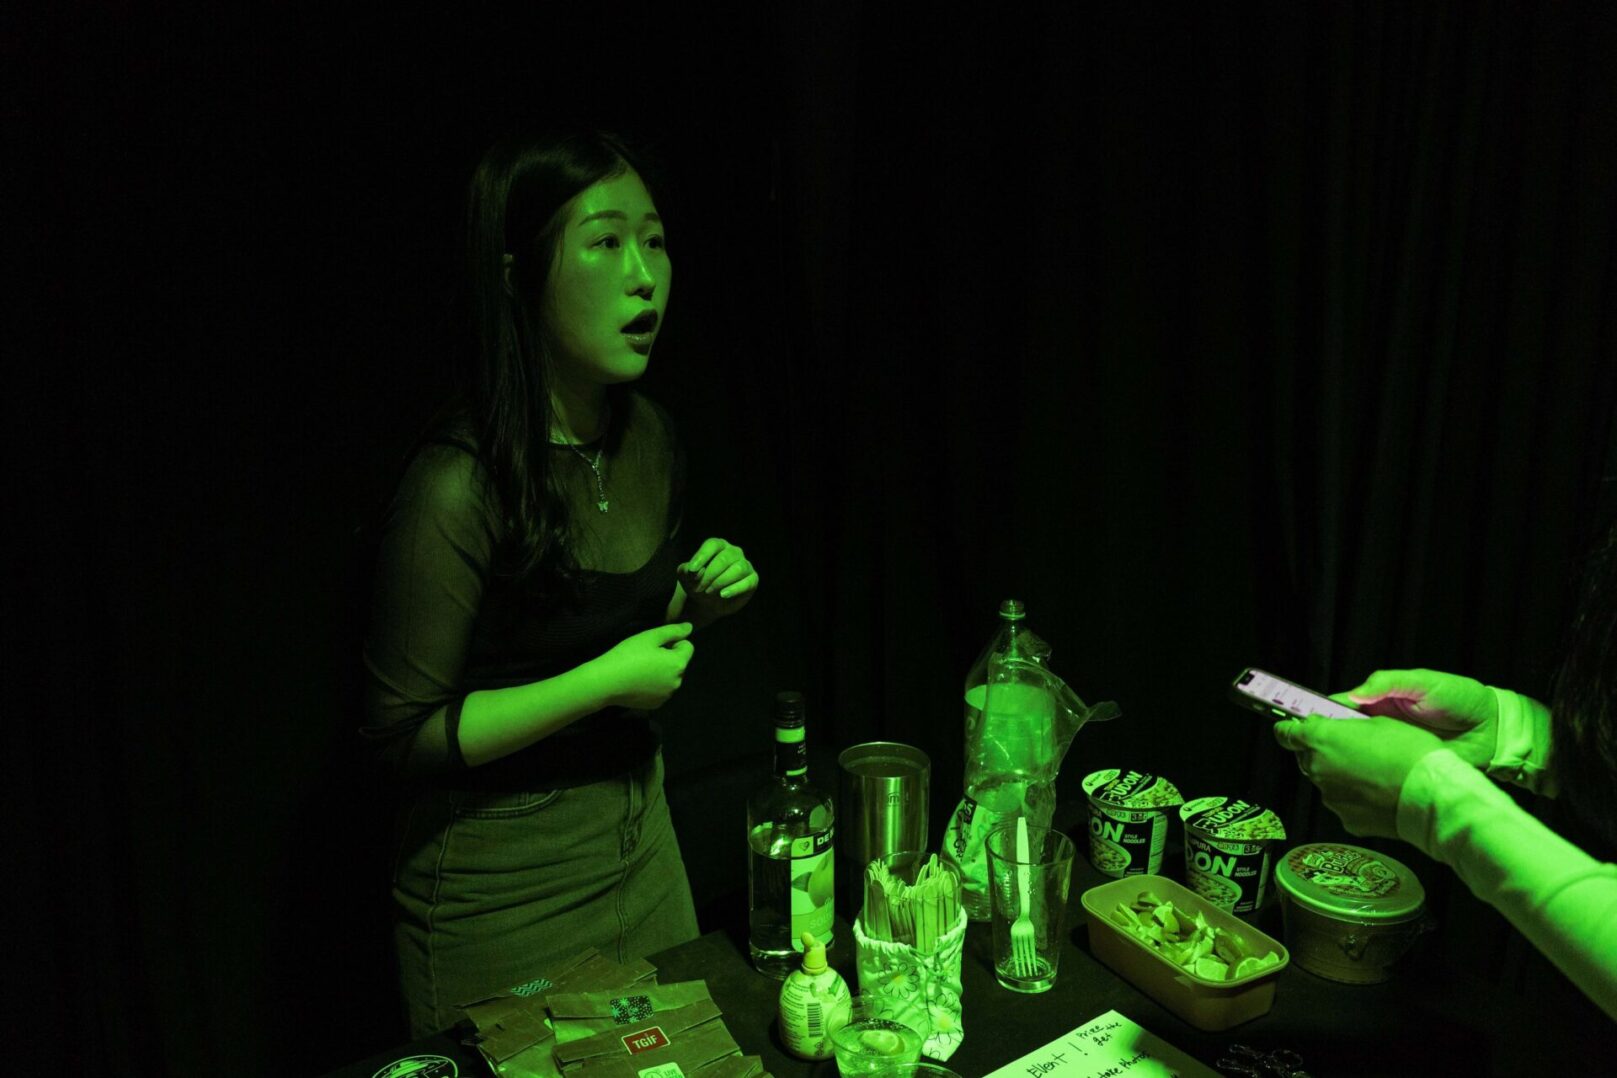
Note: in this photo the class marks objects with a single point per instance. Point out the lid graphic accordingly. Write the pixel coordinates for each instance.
(419, 1066)
(1232, 818)
(1131, 789)
(1339, 880)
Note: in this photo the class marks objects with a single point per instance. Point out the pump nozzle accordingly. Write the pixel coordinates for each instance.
(813, 955)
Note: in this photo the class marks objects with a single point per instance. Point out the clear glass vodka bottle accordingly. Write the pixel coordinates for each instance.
(790, 862)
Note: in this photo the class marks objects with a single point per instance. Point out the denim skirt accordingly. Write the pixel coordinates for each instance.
(490, 890)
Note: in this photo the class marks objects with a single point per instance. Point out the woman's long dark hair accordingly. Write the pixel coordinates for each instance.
(513, 206)
(1583, 704)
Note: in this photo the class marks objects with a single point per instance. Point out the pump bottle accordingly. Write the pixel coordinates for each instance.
(814, 1004)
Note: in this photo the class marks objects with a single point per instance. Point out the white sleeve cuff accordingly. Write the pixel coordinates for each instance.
(1522, 744)
(1429, 783)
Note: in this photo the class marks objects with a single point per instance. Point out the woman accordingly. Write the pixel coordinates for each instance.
(528, 606)
(1420, 771)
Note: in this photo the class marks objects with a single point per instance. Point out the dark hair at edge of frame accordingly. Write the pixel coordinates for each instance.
(1583, 707)
(513, 205)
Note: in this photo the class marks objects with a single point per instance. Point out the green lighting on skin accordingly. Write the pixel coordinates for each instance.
(611, 263)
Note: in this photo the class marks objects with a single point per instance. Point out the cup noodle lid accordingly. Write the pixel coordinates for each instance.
(1350, 883)
(1231, 819)
(1131, 789)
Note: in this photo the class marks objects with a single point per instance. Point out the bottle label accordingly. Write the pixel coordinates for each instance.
(964, 839)
(811, 1010)
(813, 868)
(791, 752)
(959, 828)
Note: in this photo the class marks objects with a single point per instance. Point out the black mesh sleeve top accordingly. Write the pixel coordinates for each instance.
(444, 623)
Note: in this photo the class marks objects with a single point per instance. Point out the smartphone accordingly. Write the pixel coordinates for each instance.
(1269, 695)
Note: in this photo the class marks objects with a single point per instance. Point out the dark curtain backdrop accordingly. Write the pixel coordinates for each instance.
(1246, 334)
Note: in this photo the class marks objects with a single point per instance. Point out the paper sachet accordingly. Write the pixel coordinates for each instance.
(735, 1067)
(513, 1028)
(577, 1015)
(688, 1038)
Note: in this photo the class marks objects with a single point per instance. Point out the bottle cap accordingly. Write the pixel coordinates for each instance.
(789, 709)
(813, 955)
(1012, 610)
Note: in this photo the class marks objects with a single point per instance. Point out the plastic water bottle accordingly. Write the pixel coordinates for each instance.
(993, 788)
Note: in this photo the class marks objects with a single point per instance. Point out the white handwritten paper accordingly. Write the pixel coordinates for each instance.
(1107, 1047)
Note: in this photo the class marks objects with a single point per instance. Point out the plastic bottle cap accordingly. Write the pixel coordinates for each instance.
(813, 955)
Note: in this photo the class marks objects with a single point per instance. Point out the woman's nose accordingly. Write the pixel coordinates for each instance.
(641, 279)
(642, 272)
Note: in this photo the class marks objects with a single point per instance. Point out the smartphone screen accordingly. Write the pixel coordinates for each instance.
(1272, 693)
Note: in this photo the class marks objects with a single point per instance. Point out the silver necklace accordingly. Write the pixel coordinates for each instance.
(595, 465)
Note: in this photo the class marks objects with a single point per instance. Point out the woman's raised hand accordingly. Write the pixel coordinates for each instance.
(718, 580)
(643, 671)
(1359, 765)
(1460, 710)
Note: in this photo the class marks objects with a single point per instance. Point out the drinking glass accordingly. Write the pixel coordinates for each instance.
(880, 1031)
(1047, 871)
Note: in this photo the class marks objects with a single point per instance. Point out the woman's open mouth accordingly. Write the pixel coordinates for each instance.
(641, 330)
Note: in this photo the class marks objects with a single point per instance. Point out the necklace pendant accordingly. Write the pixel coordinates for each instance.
(601, 505)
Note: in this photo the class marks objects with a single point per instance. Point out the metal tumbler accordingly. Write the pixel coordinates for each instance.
(882, 807)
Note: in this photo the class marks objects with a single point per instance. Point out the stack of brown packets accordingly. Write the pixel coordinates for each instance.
(624, 1033)
(594, 1018)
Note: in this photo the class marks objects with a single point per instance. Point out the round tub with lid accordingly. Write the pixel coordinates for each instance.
(1350, 913)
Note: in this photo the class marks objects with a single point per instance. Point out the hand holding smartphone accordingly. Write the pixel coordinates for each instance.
(1276, 697)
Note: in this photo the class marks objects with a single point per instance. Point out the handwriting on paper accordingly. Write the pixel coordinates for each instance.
(1107, 1047)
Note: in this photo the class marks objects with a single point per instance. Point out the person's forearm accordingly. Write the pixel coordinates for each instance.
(498, 722)
(1563, 900)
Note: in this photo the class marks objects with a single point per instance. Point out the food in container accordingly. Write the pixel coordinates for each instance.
(880, 1032)
(1229, 844)
(1205, 1002)
(1128, 820)
(1350, 913)
(1187, 940)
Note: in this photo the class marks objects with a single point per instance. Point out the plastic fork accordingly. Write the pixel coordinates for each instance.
(1024, 952)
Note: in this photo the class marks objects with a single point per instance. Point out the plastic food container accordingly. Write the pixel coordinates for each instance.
(1205, 1004)
(1128, 820)
(1350, 913)
(1229, 845)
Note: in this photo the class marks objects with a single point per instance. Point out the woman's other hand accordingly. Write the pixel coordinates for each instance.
(1460, 710)
(718, 581)
(643, 671)
(1359, 765)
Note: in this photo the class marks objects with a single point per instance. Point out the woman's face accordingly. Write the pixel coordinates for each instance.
(610, 267)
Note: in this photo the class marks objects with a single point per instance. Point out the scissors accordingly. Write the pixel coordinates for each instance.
(1251, 1063)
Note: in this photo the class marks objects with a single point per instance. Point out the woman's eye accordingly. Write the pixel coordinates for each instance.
(655, 242)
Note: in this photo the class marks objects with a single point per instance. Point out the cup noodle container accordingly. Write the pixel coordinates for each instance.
(1230, 844)
(1128, 820)
(1350, 913)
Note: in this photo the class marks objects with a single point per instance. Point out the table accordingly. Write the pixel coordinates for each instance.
(1419, 1023)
